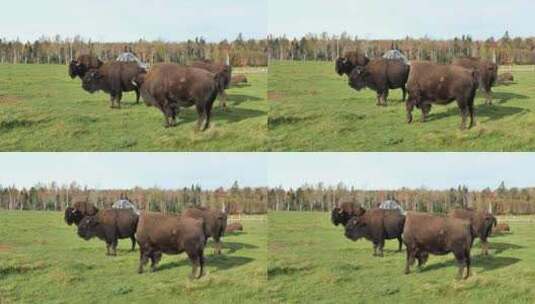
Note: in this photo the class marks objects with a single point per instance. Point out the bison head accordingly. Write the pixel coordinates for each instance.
(358, 77)
(356, 228)
(73, 216)
(343, 66)
(77, 68)
(339, 216)
(87, 227)
(91, 81)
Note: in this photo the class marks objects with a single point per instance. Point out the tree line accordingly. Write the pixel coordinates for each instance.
(55, 197)
(57, 50)
(319, 197)
(324, 47)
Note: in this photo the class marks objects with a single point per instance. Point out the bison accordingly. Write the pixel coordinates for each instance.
(505, 78)
(346, 210)
(82, 64)
(430, 83)
(501, 228)
(170, 86)
(488, 73)
(170, 234)
(225, 76)
(110, 225)
(425, 233)
(234, 227)
(215, 221)
(376, 225)
(482, 223)
(238, 79)
(115, 78)
(380, 75)
(74, 214)
(350, 60)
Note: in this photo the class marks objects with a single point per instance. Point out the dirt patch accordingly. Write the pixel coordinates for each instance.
(9, 99)
(274, 96)
(4, 248)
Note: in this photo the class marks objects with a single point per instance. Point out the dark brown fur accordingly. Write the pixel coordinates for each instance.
(380, 75)
(157, 234)
(433, 83)
(376, 225)
(222, 71)
(350, 60)
(114, 78)
(482, 223)
(170, 86)
(425, 233)
(215, 221)
(80, 209)
(488, 73)
(110, 225)
(346, 210)
(82, 64)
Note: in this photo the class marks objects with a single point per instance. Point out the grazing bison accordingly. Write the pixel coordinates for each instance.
(215, 222)
(234, 227)
(82, 64)
(114, 78)
(346, 210)
(425, 233)
(350, 60)
(380, 75)
(488, 73)
(430, 83)
(238, 79)
(224, 72)
(74, 214)
(171, 86)
(500, 228)
(110, 225)
(158, 233)
(482, 223)
(376, 225)
(505, 78)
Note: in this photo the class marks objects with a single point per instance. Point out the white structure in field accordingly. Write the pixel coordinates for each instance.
(125, 204)
(396, 55)
(129, 57)
(391, 205)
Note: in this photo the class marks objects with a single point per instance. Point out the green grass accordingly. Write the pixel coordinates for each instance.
(309, 258)
(42, 109)
(314, 109)
(42, 260)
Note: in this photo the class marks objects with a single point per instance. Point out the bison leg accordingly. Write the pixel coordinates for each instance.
(410, 260)
(195, 262)
(409, 106)
(385, 97)
(380, 246)
(118, 98)
(143, 260)
(484, 247)
(464, 113)
(460, 256)
(155, 258)
(400, 240)
(374, 249)
(223, 100)
(488, 96)
(114, 247)
(468, 260)
(422, 258)
(201, 260)
(404, 91)
(472, 113)
(133, 238)
(112, 101)
(208, 113)
(137, 95)
(200, 116)
(217, 247)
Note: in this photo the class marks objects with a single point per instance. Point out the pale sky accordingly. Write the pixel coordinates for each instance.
(390, 19)
(210, 170)
(130, 20)
(127, 170)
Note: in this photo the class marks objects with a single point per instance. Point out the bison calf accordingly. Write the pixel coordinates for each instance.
(426, 233)
(114, 78)
(158, 233)
(380, 75)
(482, 223)
(171, 86)
(110, 225)
(430, 83)
(215, 222)
(376, 225)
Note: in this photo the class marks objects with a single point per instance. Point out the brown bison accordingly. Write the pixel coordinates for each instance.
(79, 210)
(215, 222)
(110, 225)
(82, 64)
(501, 228)
(346, 210)
(380, 75)
(376, 225)
(482, 223)
(234, 227)
(224, 72)
(238, 79)
(171, 86)
(157, 234)
(115, 78)
(488, 73)
(350, 60)
(425, 233)
(505, 78)
(433, 83)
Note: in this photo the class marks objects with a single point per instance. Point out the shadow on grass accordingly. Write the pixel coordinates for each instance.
(221, 262)
(11, 124)
(489, 111)
(501, 247)
(274, 271)
(236, 99)
(504, 97)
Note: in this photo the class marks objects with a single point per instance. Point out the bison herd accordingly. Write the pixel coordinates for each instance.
(155, 233)
(425, 82)
(422, 233)
(167, 87)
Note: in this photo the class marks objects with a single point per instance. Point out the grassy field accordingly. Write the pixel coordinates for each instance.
(42, 109)
(309, 258)
(314, 109)
(42, 260)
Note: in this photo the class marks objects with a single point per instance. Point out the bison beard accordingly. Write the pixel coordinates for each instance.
(171, 86)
